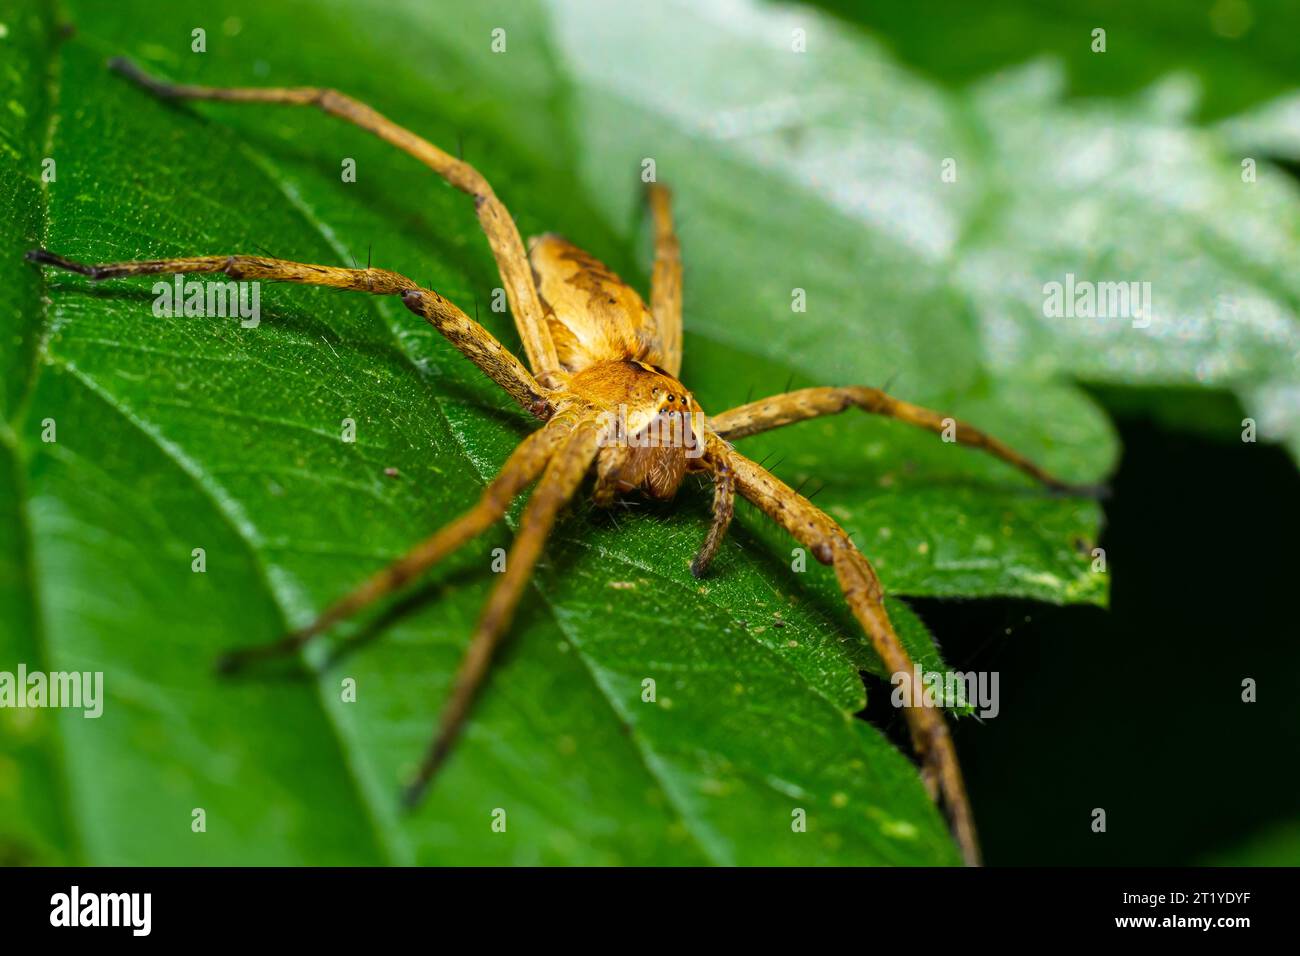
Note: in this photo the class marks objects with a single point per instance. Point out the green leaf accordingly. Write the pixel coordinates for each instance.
(31, 786)
(178, 434)
(182, 433)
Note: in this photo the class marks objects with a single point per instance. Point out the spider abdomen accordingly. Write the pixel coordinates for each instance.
(593, 316)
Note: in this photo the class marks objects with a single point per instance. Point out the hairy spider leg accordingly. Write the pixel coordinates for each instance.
(498, 225)
(473, 341)
(724, 505)
(790, 407)
(520, 470)
(666, 280)
(830, 544)
(559, 483)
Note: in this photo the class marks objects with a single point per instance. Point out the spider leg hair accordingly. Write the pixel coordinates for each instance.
(666, 279)
(561, 480)
(520, 470)
(829, 543)
(498, 225)
(724, 504)
(790, 407)
(474, 342)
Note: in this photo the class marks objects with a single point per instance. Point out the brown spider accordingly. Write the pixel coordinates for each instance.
(602, 375)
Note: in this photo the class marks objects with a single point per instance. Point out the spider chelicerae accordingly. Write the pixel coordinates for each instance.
(602, 377)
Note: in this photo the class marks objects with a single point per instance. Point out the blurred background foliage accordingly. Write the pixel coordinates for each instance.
(1196, 777)
(1241, 52)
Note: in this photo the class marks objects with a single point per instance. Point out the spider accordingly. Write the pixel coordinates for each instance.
(602, 377)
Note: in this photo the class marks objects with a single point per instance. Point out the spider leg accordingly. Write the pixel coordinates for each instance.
(474, 341)
(830, 544)
(666, 280)
(497, 223)
(609, 469)
(768, 413)
(562, 478)
(724, 507)
(519, 471)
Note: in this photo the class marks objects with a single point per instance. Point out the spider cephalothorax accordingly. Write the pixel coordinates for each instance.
(654, 428)
(603, 376)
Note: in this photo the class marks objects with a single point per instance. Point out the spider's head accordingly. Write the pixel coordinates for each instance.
(655, 428)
